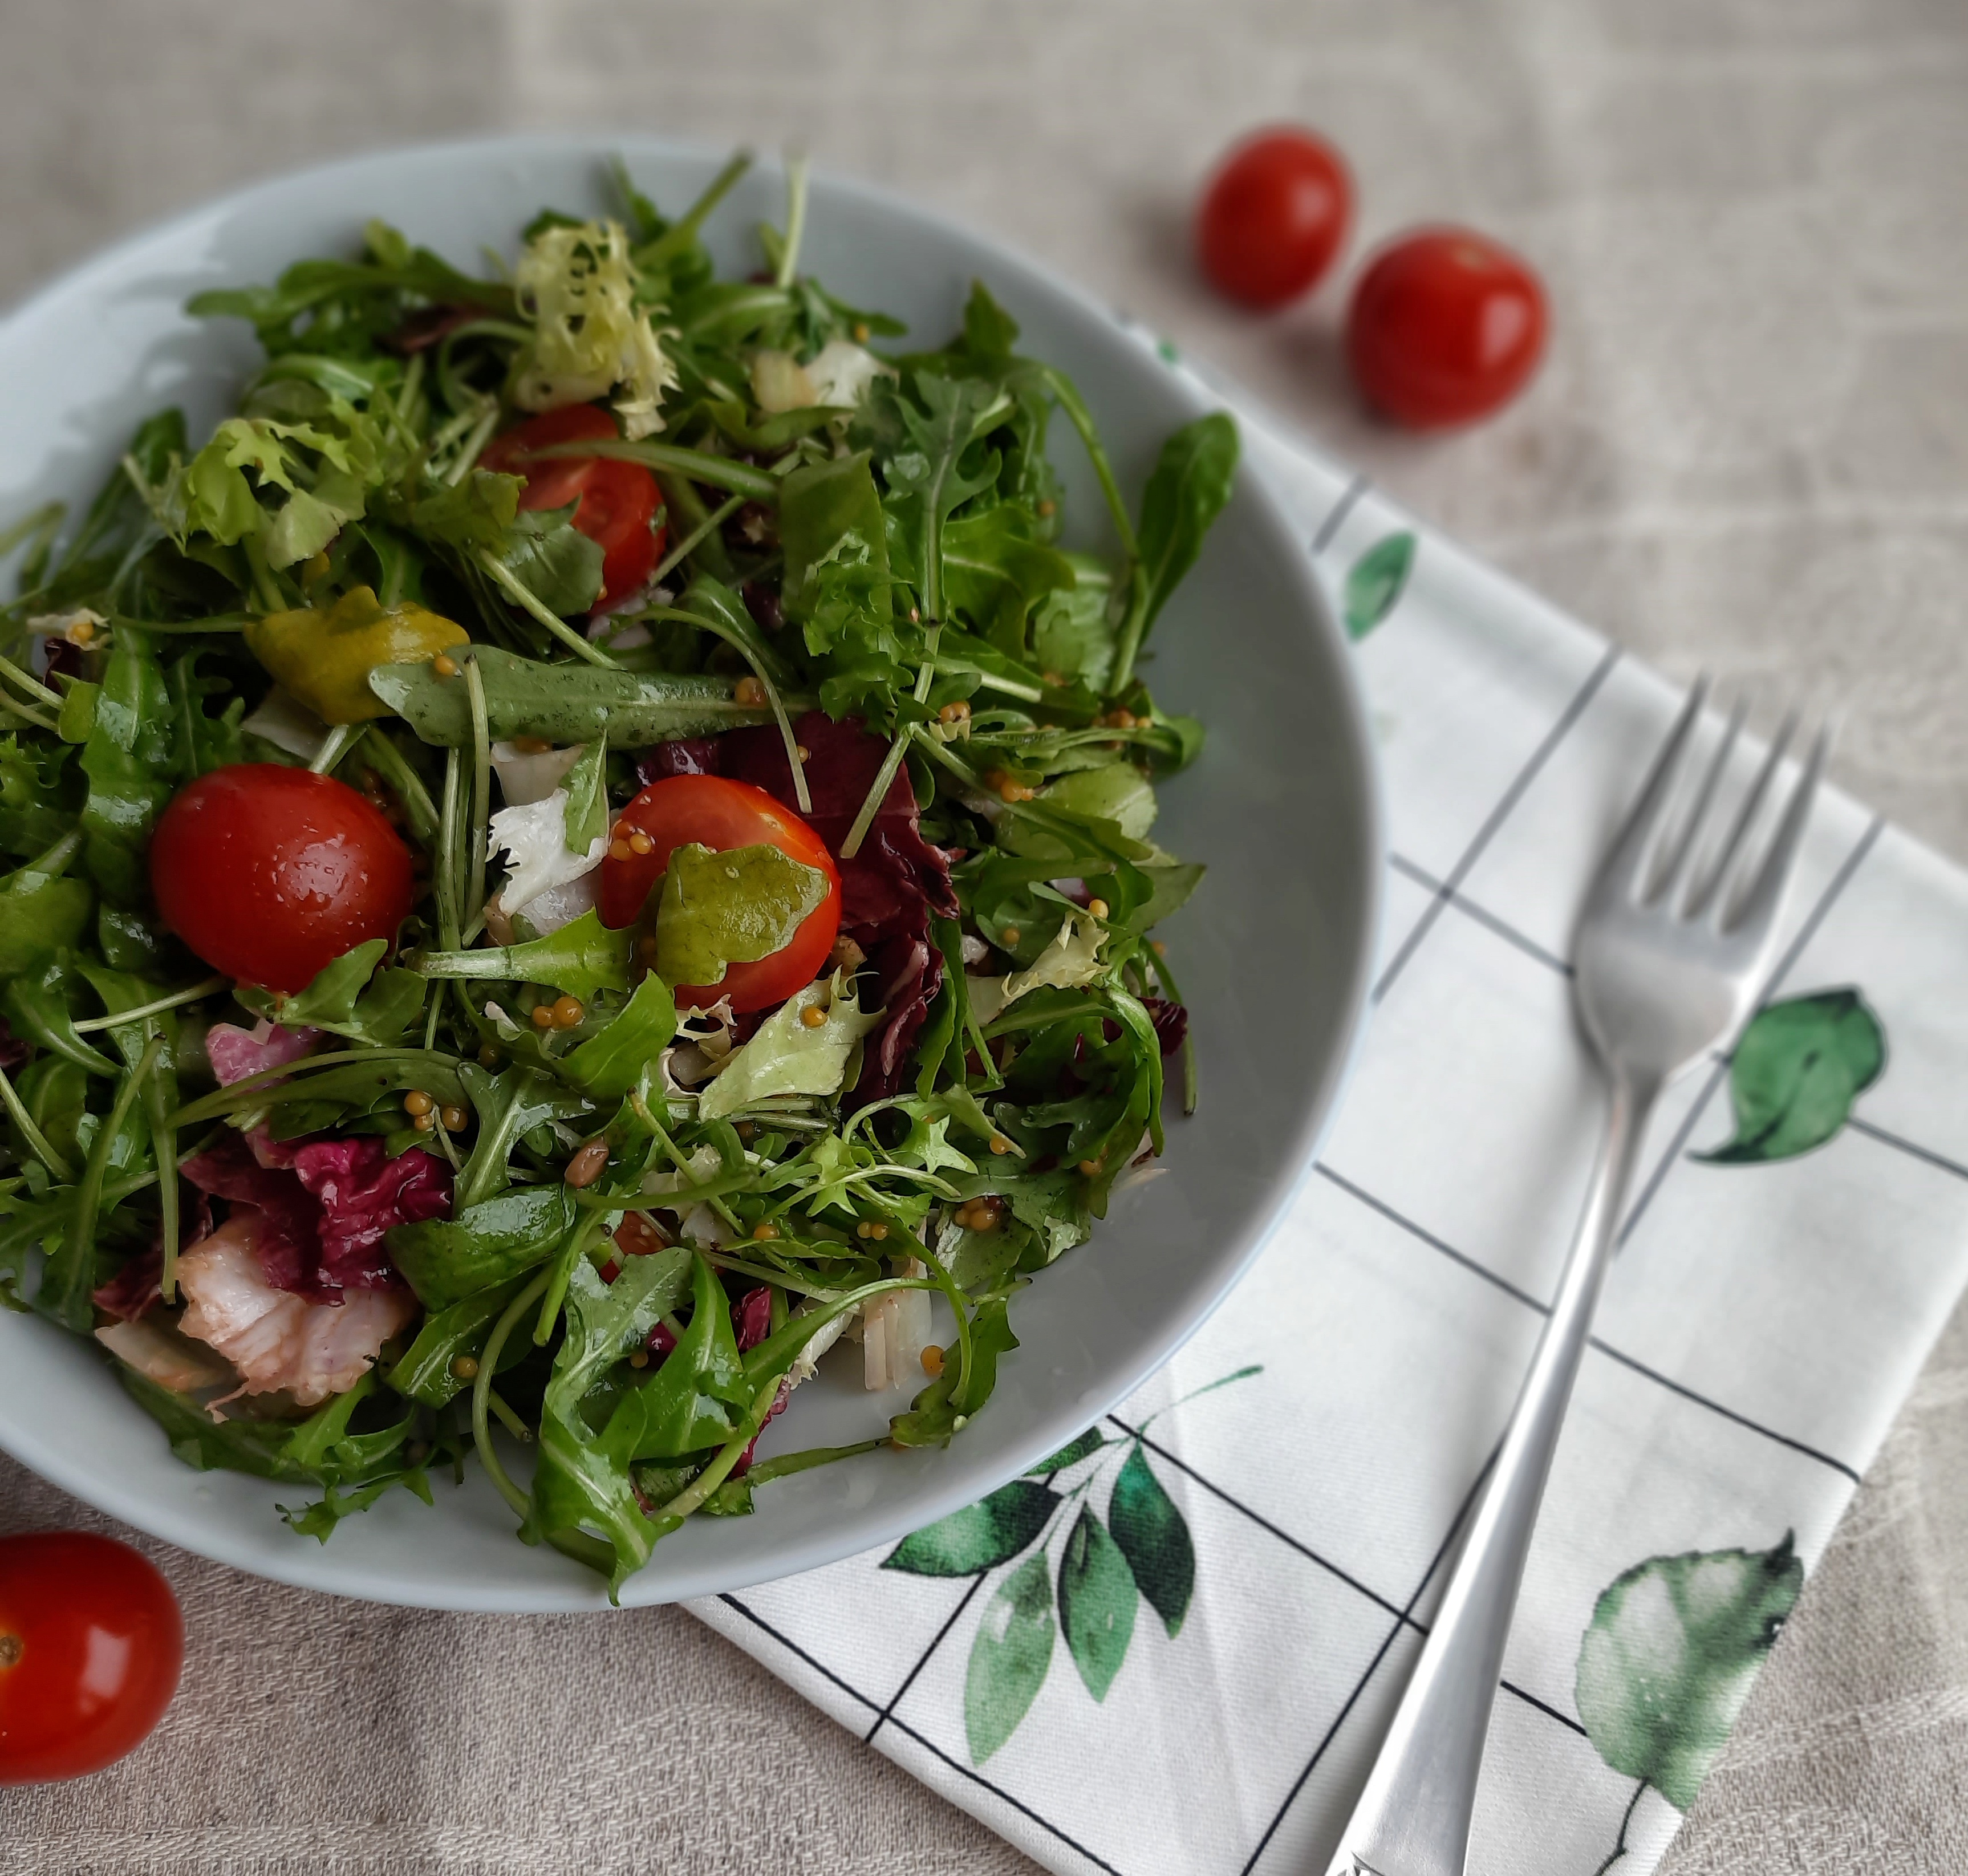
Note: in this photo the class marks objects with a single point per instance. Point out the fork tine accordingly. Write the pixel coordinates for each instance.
(1758, 907)
(1672, 885)
(1723, 876)
(1624, 867)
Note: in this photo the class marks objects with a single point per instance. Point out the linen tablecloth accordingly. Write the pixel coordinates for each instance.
(1742, 455)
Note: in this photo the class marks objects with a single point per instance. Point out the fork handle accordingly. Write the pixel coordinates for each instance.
(1412, 1817)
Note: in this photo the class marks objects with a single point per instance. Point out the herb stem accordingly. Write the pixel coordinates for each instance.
(38, 1143)
(481, 787)
(481, 1390)
(409, 788)
(508, 1419)
(695, 539)
(721, 472)
(80, 1244)
(682, 232)
(33, 686)
(445, 880)
(15, 708)
(337, 744)
(796, 178)
(208, 988)
(523, 596)
(885, 774)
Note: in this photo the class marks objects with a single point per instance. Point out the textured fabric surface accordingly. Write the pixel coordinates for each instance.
(1746, 453)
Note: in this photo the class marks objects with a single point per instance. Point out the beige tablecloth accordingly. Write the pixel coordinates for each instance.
(1749, 452)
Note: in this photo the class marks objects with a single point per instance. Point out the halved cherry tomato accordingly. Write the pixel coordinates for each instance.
(1274, 216)
(271, 873)
(617, 500)
(721, 814)
(1446, 326)
(91, 1644)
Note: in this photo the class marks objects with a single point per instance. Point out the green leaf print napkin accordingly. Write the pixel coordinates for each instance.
(1176, 1644)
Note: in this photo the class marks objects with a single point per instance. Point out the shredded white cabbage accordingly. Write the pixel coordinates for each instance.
(589, 336)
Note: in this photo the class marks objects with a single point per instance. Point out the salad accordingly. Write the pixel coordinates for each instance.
(588, 843)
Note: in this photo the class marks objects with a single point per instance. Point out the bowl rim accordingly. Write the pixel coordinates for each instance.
(313, 1565)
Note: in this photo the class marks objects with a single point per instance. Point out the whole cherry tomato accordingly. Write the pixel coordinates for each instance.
(268, 873)
(1445, 325)
(1274, 216)
(721, 814)
(91, 1643)
(617, 500)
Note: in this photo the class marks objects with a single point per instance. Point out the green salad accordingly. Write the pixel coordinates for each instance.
(588, 843)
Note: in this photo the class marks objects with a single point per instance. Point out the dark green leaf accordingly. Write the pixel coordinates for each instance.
(1008, 1657)
(1096, 1602)
(445, 1260)
(1191, 483)
(820, 505)
(696, 1398)
(127, 760)
(582, 958)
(553, 560)
(1799, 1067)
(1154, 1537)
(586, 815)
(1668, 1658)
(562, 704)
(41, 914)
(979, 1537)
(1375, 581)
(424, 1371)
(607, 1066)
(509, 1106)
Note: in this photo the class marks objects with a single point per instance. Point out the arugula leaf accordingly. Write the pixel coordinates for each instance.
(41, 912)
(343, 1000)
(424, 1371)
(582, 958)
(127, 760)
(821, 505)
(996, 570)
(509, 1106)
(735, 906)
(923, 469)
(1188, 490)
(552, 559)
(445, 1260)
(699, 1395)
(587, 811)
(562, 704)
(607, 1066)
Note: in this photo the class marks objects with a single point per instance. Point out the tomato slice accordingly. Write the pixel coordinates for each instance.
(270, 873)
(91, 1644)
(616, 502)
(722, 814)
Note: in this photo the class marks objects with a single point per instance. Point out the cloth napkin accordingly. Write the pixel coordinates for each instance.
(1177, 1649)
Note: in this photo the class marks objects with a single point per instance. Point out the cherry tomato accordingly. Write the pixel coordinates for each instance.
(721, 814)
(90, 1642)
(1274, 216)
(270, 873)
(1445, 325)
(617, 500)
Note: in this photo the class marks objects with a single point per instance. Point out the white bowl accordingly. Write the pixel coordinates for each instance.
(1274, 952)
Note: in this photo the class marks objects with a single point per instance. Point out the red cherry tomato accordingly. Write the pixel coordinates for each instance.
(617, 500)
(270, 873)
(1274, 216)
(1445, 325)
(721, 814)
(90, 1642)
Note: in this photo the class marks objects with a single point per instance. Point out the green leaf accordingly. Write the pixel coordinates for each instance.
(1154, 1537)
(1190, 484)
(820, 505)
(1669, 1656)
(445, 1260)
(1070, 1454)
(343, 999)
(606, 1065)
(1096, 1602)
(732, 907)
(127, 760)
(41, 914)
(585, 817)
(562, 704)
(553, 560)
(583, 957)
(981, 1536)
(926, 479)
(473, 513)
(424, 1372)
(1374, 583)
(1008, 1658)
(509, 1105)
(699, 1395)
(995, 570)
(1799, 1067)
(784, 1056)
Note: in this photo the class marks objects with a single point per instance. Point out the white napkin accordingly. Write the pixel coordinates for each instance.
(1178, 1651)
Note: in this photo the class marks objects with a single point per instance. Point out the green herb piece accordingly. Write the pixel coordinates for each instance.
(426, 1372)
(731, 907)
(696, 1400)
(586, 815)
(343, 998)
(563, 704)
(582, 958)
(607, 1066)
(445, 1260)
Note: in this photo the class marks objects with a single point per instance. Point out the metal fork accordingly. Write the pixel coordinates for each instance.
(1672, 948)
